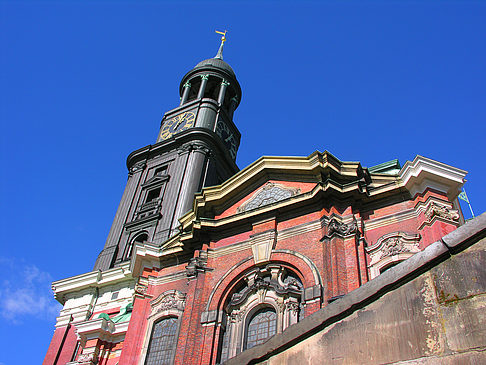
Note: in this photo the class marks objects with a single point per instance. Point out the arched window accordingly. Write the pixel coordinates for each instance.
(265, 301)
(143, 237)
(162, 344)
(262, 325)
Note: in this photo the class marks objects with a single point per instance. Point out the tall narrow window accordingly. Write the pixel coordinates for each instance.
(261, 326)
(162, 342)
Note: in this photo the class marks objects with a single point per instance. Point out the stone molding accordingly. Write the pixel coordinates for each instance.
(271, 286)
(441, 211)
(93, 279)
(194, 146)
(172, 300)
(423, 172)
(141, 290)
(390, 248)
(336, 227)
(102, 329)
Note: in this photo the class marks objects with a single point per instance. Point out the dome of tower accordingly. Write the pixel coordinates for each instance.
(216, 63)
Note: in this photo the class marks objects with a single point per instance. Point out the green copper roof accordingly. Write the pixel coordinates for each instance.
(390, 167)
(125, 314)
(216, 63)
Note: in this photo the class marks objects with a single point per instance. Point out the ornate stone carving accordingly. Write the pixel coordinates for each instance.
(292, 306)
(268, 194)
(340, 228)
(197, 265)
(236, 316)
(88, 358)
(261, 281)
(191, 146)
(391, 248)
(202, 149)
(441, 211)
(170, 300)
(140, 289)
(139, 166)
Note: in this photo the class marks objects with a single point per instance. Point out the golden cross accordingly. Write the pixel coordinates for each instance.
(223, 38)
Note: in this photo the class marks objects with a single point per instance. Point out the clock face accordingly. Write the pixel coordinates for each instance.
(177, 124)
(229, 140)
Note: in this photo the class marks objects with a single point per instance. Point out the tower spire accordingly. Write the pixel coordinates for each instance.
(219, 55)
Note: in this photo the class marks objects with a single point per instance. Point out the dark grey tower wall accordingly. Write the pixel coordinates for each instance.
(163, 178)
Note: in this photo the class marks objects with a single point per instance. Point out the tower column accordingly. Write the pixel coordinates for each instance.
(192, 181)
(202, 88)
(185, 94)
(222, 91)
(232, 107)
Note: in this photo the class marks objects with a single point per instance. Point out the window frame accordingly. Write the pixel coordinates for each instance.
(157, 315)
(176, 337)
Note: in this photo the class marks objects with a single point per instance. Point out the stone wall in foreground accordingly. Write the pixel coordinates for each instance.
(429, 309)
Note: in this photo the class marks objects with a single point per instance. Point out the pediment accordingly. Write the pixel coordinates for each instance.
(265, 194)
(274, 179)
(268, 194)
(156, 180)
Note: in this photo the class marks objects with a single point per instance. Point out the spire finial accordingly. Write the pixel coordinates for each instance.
(223, 39)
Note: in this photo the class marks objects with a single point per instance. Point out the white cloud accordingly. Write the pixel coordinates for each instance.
(29, 295)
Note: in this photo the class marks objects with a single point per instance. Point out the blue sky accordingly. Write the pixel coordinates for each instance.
(85, 83)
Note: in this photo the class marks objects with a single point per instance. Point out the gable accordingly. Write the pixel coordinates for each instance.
(268, 192)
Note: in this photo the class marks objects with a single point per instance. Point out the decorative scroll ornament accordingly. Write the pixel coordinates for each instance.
(188, 147)
(340, 228)
(270, 193)
(139, 166)
(170, 300)
(441, 211)
(263, 280)
(141, 289)
(391, 249)
(394, 244)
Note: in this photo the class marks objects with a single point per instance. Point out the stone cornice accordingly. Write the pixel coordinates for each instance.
(423, 172)
(196, 135)
(100, 328)
(333, 178)
(93, 279)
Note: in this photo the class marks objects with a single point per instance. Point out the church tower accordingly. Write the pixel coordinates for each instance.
(196, 147)
(204, 263)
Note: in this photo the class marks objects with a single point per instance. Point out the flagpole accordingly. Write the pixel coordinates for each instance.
(467, 200)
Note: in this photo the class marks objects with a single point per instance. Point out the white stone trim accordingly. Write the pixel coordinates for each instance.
(423, 172)
(390, 248)
(91, 279)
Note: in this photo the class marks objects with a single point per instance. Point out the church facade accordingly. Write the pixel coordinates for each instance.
(204, 261)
